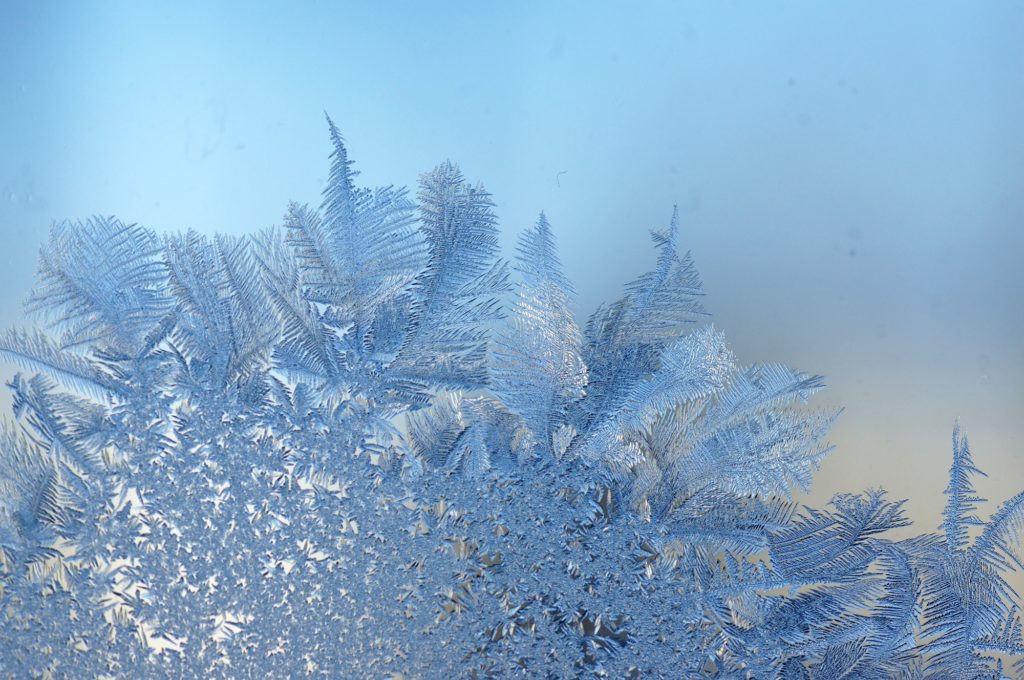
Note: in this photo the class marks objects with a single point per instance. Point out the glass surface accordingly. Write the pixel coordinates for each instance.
(848, 176)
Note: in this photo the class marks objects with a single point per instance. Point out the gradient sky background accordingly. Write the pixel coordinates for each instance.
(851, 178)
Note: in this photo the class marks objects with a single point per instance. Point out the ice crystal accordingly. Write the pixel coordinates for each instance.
(326, 450)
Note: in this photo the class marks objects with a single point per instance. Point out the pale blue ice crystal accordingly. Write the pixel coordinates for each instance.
(326, 450)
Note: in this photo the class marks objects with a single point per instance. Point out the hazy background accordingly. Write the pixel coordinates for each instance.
(850, 178)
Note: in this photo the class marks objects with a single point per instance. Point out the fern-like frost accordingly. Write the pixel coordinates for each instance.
(335, 448)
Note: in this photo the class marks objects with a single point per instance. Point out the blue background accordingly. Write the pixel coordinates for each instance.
(849, 175)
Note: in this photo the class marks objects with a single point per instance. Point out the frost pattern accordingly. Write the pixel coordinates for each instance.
(303, 453)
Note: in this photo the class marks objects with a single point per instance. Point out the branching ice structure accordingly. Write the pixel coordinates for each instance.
(319, 451)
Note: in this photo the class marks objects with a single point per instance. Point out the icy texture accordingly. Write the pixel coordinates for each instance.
(303, 453)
